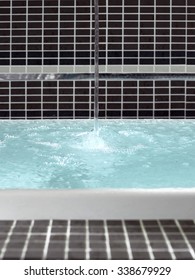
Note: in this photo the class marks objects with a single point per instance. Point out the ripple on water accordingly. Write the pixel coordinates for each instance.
(49, 144)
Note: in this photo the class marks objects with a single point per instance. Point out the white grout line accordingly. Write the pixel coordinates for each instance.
(154, 65)
(66, 249)
(75, 28)
(169, 112)
(45, 250)
(27, 240)
(3, 250)
(138, 87)
(191, 250)
(26, 101)
(73, 98)
(108, 250)
(91, 57)
(10, 103)
(150, 251)
(58, 41)
(185, 98)
(58, 99)
(26, 66)
(87, 243)
(123, 28)
(127, 241)
(138, 39)
(42, 42)
(186, 59)
(170, 38)
(107, 26)
(42, 100)
(170, 249)
(186, 35)
(11, 15)
(153, 100)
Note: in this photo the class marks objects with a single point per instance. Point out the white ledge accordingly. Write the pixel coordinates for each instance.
(98, 204)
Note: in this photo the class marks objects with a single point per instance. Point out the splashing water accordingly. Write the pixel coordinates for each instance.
(124, 154)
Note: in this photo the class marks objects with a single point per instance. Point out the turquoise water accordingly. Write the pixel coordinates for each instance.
(126, 154)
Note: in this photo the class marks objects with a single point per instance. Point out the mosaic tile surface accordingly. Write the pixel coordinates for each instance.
(97, 239)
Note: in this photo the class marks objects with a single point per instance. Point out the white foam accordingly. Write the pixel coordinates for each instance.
(92, 141)
(49, 144)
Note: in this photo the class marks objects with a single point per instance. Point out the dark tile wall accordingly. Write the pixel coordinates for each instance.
(52, 32)
(136, 32)
(117, 99)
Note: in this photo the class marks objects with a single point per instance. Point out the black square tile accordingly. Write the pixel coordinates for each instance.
(119, 255)
(98, 245)
(118, 245)
(138, 246)
(5, 224)
(132, 223)
(37, 238)
(136, 236)
(77, 245)
(12, 255)
(179, 245)
(39, 229)
(161, 255)
(55, 255)
(76, 255)
(183, 255)
(133, 229)
(174, 237)
(167, 222)
(116, 238)
(56, 246)
(5, 229)
(158, 245)
(95, 229)
(34, 255)
(80, 223)
(77, 238)
(2, 243)
(15, 245)
(20, 229)
(96, 223)
(186, 222)
(97, 237)
(58, 229)
(98, 255)
(3, 237)
(35, 246)
(58, 237)
(152, 229)
(150, 223)
(140, 255)
(41, 223)
(24, 223)
(171, 229)
(190, 229)
(59, 223)
(77, 230)
(114, 223)
(155, 236)
(115, 229)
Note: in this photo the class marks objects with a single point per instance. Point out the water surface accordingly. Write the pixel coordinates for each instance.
(126, 154)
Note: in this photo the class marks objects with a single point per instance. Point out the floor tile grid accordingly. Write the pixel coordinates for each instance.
(117, 239)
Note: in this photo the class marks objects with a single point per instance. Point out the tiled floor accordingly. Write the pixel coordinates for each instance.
(108, 239)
